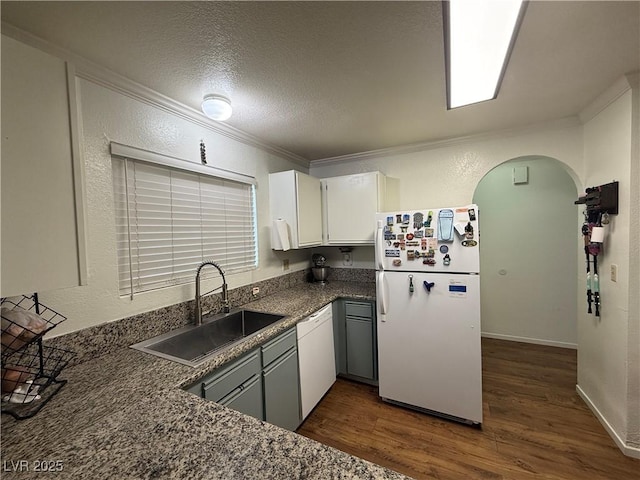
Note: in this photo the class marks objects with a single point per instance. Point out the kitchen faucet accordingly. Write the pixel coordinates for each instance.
(225, 295)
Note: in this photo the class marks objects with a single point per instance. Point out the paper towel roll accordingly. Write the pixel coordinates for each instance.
(597, 234)
(281, 230)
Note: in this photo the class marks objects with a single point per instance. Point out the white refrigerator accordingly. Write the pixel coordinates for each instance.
(428, 305)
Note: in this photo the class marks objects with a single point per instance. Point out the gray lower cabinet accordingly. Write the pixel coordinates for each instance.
(281, 382)
(355, 340)
(237, 385)
(263, 383)
(359, 347)
(247, 399)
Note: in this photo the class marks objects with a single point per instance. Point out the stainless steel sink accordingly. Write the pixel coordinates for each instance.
(193, 345)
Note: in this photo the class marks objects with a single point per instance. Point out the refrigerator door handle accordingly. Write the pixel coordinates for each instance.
(382, 295)
(380, 246)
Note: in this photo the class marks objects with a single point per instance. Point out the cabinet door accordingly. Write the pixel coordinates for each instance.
(296, 199)
(282, 392)
(360, 348)
(230, 377)
(351, 203)
(340, 336)
(42, 236)
(309, 210)
(247, 398)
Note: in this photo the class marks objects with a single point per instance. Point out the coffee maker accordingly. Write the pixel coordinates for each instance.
(319, 270)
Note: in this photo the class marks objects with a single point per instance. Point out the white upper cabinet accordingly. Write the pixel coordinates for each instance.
(296, 208)
(42, 236)
(350, 203)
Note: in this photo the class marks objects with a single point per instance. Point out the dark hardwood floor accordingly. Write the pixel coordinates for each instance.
(535, 425)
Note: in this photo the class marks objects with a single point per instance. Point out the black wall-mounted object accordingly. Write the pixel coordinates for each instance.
(203, 153)
(603, 198)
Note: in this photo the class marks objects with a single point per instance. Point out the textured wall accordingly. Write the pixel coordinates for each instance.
(110, 116)
(449, 175)
(603, 352)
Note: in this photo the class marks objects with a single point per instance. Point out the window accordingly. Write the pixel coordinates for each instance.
(169, 220)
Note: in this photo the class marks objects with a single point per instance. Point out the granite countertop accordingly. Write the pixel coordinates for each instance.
(124, 415)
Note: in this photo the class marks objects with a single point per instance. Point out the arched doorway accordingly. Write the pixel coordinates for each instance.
(528, 252)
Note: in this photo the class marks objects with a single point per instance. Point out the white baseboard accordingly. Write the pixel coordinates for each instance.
(633, 452)
(537, 341)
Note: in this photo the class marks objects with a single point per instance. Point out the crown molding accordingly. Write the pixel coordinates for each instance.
(106, 78)
(610, 95)
(561, 123)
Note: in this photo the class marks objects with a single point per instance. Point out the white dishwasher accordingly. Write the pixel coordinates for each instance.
(316, 357)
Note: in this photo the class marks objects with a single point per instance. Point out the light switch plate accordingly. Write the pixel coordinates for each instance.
(614, 272)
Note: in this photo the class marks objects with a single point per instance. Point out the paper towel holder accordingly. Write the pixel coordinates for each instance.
(280, 235)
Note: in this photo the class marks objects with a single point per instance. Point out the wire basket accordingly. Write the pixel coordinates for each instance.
(27, 378)
(24, 321)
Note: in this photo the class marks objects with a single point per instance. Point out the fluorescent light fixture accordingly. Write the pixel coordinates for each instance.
(479, 36)
(216, 107)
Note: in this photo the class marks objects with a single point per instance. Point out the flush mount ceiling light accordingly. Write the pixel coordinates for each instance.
(479, 36)
(216, 107)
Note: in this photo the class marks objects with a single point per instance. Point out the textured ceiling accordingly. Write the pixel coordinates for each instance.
(322, 79)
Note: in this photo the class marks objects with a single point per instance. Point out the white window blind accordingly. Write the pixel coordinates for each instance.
(169, 220)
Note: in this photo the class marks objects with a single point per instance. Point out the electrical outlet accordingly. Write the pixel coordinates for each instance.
(614, 272)
(285, 264)
(255, 291)
(347, 260)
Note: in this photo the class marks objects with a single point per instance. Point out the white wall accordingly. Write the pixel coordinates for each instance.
(527, 254)
(448, 174)
(110, 116)
(605, 344)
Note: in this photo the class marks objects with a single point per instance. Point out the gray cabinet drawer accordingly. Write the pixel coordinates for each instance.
(279, 345)
(359, 309)
(247, 398)
(222, 384)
